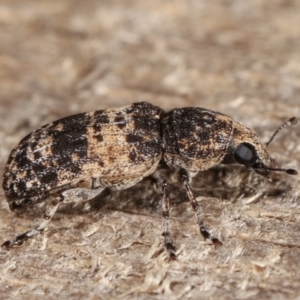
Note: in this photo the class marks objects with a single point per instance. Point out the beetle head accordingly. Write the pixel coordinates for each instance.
(247, 150)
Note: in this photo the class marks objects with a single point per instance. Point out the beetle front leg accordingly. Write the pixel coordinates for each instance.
(184, 178)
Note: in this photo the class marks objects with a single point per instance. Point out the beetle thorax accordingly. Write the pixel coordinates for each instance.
(195, 138)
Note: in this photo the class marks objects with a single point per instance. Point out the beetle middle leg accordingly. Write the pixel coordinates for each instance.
(166, 214)
(162, 187)
(184, 178)
(72, 195)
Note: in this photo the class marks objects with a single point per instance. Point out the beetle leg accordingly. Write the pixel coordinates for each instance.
(162, 186)
(184, 177)
(68, 196)
(50, 211)
(166, 214)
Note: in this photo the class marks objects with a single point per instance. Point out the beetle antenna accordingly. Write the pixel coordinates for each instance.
(290, 122)
(288, 171)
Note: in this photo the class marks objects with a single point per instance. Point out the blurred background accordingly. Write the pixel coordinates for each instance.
(242, 58)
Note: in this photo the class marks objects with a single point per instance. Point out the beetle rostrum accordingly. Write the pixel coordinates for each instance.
(75, 158)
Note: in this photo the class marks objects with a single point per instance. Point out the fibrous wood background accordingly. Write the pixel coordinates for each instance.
(242, 58)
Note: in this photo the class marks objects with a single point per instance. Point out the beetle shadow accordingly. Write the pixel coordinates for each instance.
(225, 183)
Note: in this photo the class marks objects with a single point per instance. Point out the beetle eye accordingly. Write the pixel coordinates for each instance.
(245, 154)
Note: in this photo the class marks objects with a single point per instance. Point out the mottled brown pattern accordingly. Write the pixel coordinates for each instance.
(241, 58)
(196, 138)
(87, 145)
(77, 157)
(119, 147)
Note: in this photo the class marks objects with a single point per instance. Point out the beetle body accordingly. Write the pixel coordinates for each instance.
(77, 157)
(114, 146)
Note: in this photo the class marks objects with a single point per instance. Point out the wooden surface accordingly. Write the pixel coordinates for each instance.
(239, 57)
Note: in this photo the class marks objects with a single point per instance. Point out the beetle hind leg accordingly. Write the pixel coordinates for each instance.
(68, 196)
(50, 211)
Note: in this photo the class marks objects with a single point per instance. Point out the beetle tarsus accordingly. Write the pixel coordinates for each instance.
(6, 245)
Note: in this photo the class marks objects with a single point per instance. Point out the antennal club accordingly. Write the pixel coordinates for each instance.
(290, 122)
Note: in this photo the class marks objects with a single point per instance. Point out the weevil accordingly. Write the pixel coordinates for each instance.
(75, 158)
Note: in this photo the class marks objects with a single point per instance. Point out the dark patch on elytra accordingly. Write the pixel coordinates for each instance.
(120, 121)
(98, 137)
(21, 186)
(22, 160)
(72, 139)
(66, 164)
(38, 168)
(33, 143)
(70, 142)
(97, 127)
(144, 123)
(79, 119)
(100, 117)
(37, 155)
(132, 155)
(49, 177)
(98, 120)
(134, 138)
